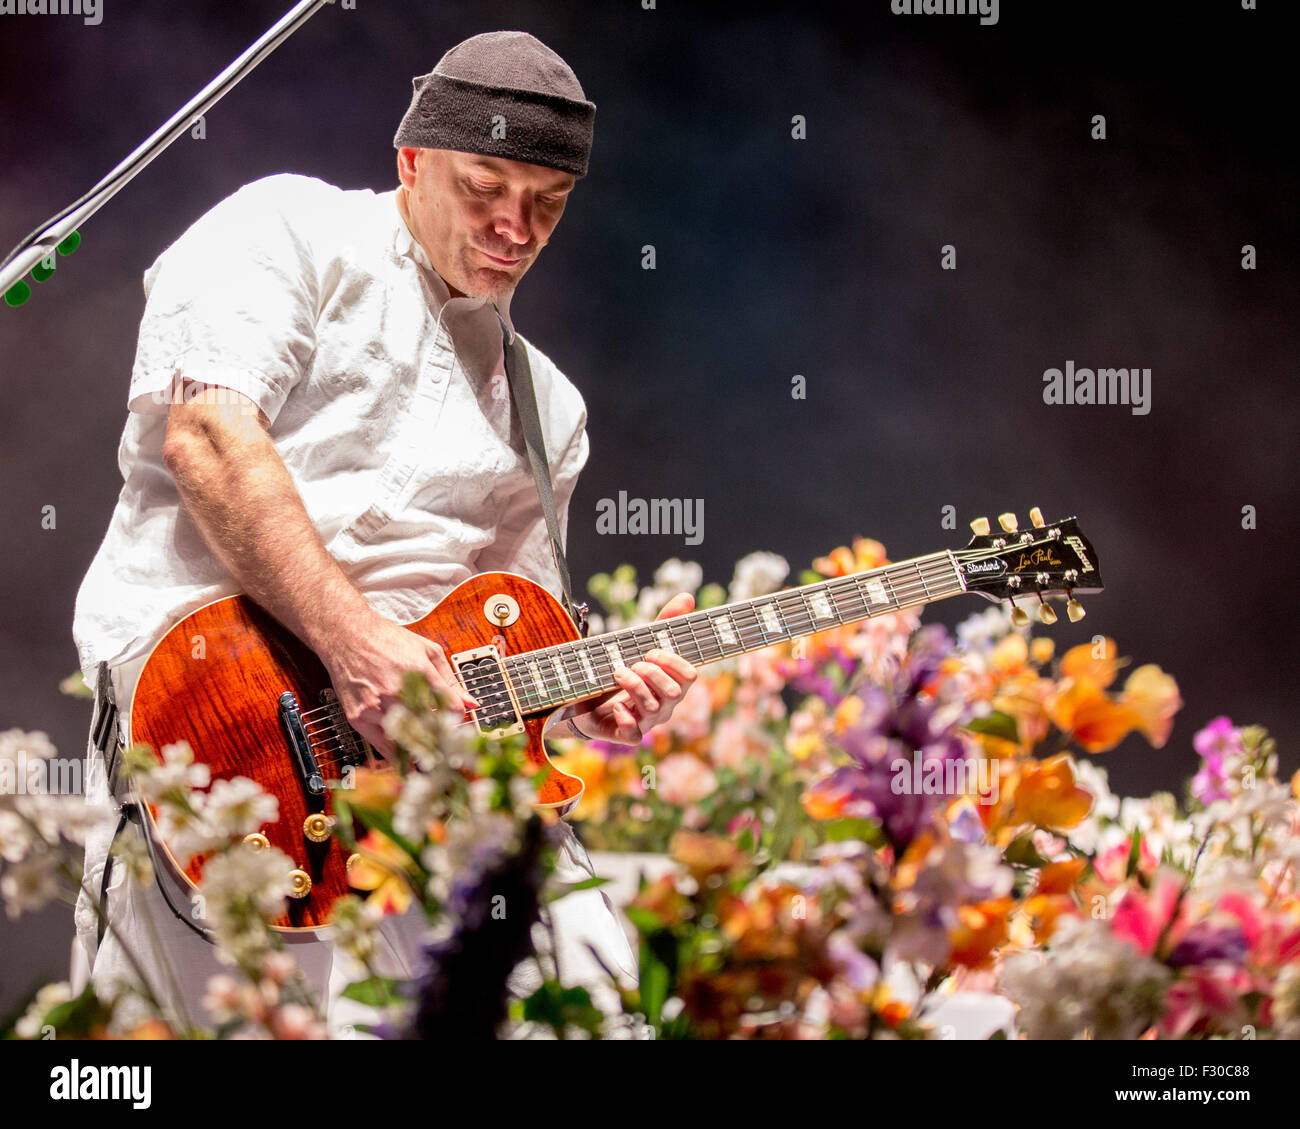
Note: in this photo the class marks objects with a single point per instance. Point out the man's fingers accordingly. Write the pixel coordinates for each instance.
(662, 684)
(637, 690)
(680, 604)
(446, 679)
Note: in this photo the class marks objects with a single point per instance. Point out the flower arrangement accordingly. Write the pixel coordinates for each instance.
(862, 825)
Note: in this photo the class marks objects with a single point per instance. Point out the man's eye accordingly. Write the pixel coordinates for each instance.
(482, 188)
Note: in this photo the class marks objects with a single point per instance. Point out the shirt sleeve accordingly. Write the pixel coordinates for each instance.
(523, 543)
(231, 303)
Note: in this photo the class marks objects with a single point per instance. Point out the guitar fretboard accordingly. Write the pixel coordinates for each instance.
(552, 677)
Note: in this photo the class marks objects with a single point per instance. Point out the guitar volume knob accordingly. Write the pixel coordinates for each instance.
(318, 827)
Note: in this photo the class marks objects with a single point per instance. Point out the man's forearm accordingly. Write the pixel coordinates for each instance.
(245, 504)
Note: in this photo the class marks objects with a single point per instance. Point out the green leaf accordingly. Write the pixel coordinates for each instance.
(78, 1017)
(374, 991)
(646, 922)
(1022, 852)
(839, 830)
(1134, 855)
(996, 724)
(563, 890)
(656, 980)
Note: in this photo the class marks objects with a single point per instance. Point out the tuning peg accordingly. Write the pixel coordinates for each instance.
(1074, 610)
(980, 527)
(1019, 617)
(1036, 516)
(1046, 613)
(1009, 522)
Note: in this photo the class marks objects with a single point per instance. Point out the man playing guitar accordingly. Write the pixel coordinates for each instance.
(318, 421)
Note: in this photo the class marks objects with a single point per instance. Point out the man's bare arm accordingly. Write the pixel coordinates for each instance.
(237, 490)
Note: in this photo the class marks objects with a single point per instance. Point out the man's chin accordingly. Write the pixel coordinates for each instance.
(490, 284)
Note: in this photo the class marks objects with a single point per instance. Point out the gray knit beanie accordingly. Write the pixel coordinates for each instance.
(502, 94)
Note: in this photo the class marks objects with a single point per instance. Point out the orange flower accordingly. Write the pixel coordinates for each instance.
(1060, 877)
(1094, 720)
(1083, 663)
(848, 712)
(1047, 796)
(981, 930)
(376, 788)
(1044, 910)
(824, 800)
(662, 899)
(1152, 695)
(706, 855)
(892, 1011)
(381, 870)
(603, 776)
(1010, 655)
(1024, 698)
(865, 554)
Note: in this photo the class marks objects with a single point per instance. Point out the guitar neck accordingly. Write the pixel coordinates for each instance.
(562, 675)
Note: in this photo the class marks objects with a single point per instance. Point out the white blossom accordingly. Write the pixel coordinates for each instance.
(758, 574)
(239, 806)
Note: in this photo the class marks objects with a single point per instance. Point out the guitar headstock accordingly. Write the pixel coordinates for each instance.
(1049, 559)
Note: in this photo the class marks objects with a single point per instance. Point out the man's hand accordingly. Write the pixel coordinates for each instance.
(650, 691)
(367, 666)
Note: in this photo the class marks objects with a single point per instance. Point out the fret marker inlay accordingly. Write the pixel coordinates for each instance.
(725, 628)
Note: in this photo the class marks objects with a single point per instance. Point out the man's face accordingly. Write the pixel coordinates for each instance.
(482, 220)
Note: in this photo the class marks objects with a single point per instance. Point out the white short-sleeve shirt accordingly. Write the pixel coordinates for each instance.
(387, 400)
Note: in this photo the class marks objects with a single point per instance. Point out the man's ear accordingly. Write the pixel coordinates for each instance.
(406, 165)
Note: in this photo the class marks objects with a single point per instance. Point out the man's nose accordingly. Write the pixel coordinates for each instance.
(515, 221)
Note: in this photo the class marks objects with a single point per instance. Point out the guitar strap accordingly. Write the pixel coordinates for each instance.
(519, 375)
(104, 734)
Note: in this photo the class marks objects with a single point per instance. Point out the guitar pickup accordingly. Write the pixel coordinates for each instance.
(484, 677)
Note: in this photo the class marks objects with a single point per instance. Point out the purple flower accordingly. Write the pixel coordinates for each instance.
(1206, 944)
(904, 746)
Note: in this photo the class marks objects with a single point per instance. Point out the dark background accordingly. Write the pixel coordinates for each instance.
(775, 257)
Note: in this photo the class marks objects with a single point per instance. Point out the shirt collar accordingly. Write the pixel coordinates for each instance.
(406, 244)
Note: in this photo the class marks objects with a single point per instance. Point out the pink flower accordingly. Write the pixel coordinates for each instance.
(293, 1021)
(1111, 865)
(1141, 917)
(684, 778)
(1207, 993)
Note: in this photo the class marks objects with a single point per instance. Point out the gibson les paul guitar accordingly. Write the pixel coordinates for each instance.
(260, 703)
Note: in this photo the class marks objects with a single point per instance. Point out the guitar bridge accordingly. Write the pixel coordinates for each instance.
(484, 678)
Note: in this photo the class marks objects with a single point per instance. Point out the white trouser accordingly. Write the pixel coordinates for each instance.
(178, 963)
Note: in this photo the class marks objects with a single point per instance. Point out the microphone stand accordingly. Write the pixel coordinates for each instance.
(42, 243)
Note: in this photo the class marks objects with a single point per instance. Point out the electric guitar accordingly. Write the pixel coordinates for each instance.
(260, 704)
